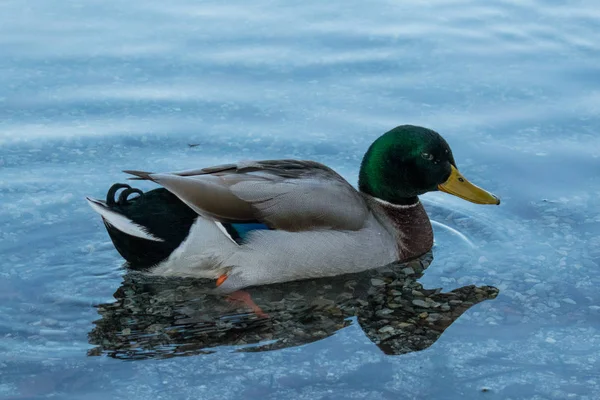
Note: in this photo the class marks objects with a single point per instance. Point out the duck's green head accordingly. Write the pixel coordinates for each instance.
(410, 160)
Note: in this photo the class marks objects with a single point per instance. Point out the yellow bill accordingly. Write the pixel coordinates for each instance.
(460, 187)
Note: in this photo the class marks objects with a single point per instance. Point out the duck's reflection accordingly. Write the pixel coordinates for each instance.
(159, 318)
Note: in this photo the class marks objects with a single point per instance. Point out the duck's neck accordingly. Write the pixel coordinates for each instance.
(411, 226)
(383, 192)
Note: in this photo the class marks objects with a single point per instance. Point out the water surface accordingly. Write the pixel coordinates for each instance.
(88, 89)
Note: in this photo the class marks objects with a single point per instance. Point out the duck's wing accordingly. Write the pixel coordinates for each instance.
(292, 195)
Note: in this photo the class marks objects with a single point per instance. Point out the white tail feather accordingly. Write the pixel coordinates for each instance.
(121, 222)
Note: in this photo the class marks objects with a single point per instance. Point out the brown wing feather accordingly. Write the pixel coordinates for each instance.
(292, 195)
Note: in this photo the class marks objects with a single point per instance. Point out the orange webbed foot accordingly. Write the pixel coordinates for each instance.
(244, 297)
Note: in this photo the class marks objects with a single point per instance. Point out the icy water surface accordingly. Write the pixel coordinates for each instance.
(506, 306)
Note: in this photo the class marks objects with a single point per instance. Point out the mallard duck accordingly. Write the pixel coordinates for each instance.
(262, 222)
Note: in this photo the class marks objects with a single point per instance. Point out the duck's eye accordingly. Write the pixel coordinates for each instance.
(427, 156)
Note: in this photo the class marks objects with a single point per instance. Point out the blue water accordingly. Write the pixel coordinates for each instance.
(88, 89)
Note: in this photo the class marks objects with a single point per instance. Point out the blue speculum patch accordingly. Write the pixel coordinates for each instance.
(239, 232)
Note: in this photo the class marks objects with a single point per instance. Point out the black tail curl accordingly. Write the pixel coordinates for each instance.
(123, 199)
